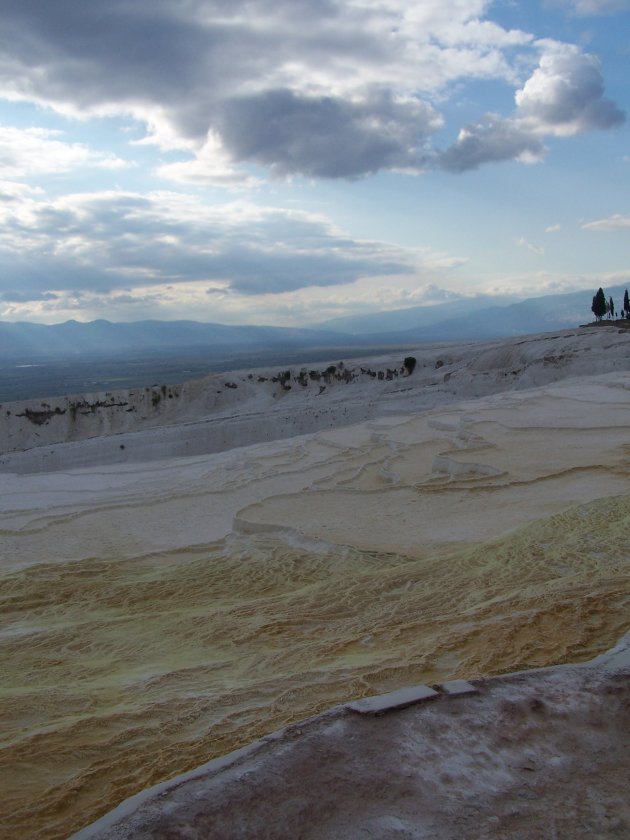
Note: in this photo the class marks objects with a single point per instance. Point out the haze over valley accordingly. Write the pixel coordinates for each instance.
(40, 360)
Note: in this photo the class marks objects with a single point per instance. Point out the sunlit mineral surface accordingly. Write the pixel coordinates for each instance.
(155, 615)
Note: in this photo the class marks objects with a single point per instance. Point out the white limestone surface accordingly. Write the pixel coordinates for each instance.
(224, 411)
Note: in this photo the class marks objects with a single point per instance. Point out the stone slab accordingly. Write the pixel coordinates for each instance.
(456, 687)
(394, 700)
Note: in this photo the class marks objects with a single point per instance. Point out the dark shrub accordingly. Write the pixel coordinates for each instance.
(410, 363)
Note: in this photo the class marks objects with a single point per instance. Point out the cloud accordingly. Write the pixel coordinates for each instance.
(320, 88)
(562, 97)
(565, 94)
(326, 136)
(111, 240)
(24, 296)
(210, 166)
(491, 140)
(614, 222)
(553, 228)
(586, 8)
(266, 82)
(25, 152)
(431, 293)
(535, 249)
(14, 191)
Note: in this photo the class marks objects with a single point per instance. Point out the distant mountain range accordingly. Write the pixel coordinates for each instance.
(476, 318)
(469, 319)
(101, 339)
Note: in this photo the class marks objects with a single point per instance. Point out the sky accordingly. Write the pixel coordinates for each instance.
(287, 162)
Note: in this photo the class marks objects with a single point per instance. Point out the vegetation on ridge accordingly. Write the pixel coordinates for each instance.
(601, 307)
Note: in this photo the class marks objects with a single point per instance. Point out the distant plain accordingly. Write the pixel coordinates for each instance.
(38, 377)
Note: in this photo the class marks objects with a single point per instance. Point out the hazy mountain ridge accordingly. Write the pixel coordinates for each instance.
(479, 317)
(99, 338)
(398, 320)
(470, 318)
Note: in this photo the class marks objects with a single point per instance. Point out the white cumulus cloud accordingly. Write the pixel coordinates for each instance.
(617, 221)
(25, 152)
(562, 97)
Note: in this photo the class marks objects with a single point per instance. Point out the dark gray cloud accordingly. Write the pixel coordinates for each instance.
(490, 141)
(187, 63)
(96, 53)
(25, 295)
(325, 136)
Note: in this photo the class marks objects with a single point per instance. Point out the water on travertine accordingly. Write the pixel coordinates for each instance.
(128, 655)
(126, 672)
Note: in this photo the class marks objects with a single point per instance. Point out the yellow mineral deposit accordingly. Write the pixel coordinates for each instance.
(157, 615)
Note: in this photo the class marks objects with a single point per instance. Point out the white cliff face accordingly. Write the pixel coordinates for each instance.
(164, 610)
(224, 411)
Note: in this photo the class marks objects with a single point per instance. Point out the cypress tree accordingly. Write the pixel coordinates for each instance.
(598, 307)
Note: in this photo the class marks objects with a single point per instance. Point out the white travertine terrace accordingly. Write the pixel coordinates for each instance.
(160, 609)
